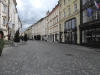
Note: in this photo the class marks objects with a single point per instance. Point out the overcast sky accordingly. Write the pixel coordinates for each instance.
(33, 10)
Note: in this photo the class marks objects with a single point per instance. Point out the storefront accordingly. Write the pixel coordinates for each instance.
(89, 26)
(70, 31)
(90, 34)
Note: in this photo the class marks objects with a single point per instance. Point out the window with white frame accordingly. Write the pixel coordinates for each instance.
(3, 21)
(57, 11)
(75, 7)
(68, 11)
(4, 8)
(64, 13)
(64, 2)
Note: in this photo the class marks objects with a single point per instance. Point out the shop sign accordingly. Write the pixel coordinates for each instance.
(94, 22)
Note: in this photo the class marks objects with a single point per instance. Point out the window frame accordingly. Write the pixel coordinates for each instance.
(75, 7)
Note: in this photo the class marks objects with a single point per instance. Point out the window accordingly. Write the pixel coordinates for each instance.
(60, 6)
(73, 23)
(4, 8)
(64, 2)
(57, 20)
(85, 16)
(75, 6)
(68, 0)
(67, 25)
(3, 21)
(70, 24)
(68, 11)
(84, 1)
(64, 13)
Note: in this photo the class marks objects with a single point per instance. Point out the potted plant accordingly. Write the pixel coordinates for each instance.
(16, 38)
(2, 43)
(25, 38)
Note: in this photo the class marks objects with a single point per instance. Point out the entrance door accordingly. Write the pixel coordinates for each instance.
(1, 35)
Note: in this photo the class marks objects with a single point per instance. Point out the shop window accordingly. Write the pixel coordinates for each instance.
(73, 23)
(70, 24)
(97, 35)
(67, 26)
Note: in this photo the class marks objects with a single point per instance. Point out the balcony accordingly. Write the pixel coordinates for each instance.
(86, 5)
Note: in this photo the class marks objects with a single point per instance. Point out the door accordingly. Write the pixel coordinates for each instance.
(1, 34)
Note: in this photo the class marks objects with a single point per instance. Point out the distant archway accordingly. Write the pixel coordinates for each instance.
(1, 35)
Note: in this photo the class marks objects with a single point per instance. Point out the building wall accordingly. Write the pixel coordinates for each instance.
(4, 15)
(64, 8)
(52, 24)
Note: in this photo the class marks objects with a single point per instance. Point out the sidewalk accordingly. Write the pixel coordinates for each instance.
(78, 47)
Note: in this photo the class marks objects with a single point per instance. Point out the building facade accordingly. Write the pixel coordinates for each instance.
(89, 26)
(69, 20)
(52, 28)
(42, 28)
(3, 19)
(8, 18)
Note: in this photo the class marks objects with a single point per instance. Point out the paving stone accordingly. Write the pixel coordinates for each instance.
(49, 58)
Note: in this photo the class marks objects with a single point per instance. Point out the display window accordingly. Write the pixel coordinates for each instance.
(91, 36)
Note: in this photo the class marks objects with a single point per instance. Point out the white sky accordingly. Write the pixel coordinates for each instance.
(33, 10)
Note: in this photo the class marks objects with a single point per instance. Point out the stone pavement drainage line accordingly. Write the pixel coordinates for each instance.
(69, 54)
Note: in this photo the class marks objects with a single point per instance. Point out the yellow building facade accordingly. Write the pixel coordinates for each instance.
(69, 20)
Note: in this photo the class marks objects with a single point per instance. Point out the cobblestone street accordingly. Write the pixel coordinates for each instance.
(48, 58)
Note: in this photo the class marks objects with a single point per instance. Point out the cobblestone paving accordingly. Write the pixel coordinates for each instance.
(47, 58)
